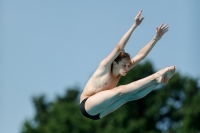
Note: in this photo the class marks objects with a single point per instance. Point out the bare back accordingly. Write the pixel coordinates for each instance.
(101, 80)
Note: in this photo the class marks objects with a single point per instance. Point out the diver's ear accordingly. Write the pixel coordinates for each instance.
(114, 64)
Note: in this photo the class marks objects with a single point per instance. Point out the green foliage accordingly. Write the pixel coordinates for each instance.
(173, 108)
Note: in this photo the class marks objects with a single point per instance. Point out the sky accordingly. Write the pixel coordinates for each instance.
(49, 46)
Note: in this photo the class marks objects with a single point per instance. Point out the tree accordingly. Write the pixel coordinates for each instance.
(173, 108)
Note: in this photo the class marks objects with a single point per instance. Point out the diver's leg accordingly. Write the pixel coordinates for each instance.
(128, 98)
(100, 101)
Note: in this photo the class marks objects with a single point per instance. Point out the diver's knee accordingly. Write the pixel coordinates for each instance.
(121, 90)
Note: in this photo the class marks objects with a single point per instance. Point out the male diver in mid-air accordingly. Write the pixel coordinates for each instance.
(101, 96)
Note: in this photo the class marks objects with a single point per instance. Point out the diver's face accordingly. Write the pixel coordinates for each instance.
(123, 66)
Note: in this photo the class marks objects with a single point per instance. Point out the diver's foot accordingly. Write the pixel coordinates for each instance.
(165, 74)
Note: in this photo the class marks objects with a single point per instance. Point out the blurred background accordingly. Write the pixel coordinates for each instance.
(50, 47)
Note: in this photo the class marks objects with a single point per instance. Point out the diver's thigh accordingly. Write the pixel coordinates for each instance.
(101, 100)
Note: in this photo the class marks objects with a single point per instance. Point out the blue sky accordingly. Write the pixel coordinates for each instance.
(47, 46)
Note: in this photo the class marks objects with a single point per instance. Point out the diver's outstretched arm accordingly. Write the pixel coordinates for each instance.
(160, 31)
(120, 46)
(127, 35)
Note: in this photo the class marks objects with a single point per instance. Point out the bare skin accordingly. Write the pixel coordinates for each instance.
(103, 95)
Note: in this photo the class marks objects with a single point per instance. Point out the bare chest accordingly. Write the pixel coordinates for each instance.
(105, 82)
(100, 82)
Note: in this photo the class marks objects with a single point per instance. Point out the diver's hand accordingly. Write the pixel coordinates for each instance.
(137, 20)
(160, 31)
